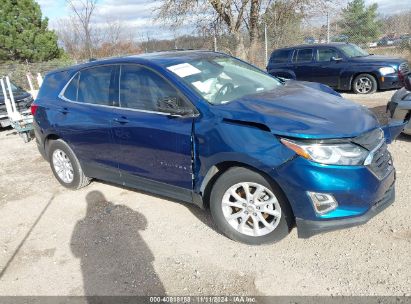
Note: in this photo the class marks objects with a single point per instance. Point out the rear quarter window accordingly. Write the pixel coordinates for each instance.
(53, 83)
(280, 56)
(70, 92)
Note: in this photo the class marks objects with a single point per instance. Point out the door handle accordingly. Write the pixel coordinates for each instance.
(120, 120)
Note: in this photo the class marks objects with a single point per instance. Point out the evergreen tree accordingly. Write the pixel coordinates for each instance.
(359, 23)
(24, 34)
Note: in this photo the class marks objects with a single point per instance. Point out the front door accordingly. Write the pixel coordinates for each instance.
(151, 146)
(330, 64)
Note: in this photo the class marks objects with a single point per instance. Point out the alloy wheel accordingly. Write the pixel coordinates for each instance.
(364, 85)
(63, 167)
(251, 209)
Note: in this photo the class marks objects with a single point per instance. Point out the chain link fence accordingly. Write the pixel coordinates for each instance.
(374, 33)
(18, 71)
(282, 28)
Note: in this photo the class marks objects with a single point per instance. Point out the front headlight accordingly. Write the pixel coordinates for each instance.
(346, 154)
(387, 70)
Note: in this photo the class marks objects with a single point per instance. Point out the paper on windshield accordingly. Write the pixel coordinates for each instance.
(205, 86)
(184, 69)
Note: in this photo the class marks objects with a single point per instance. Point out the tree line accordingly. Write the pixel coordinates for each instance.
(233, 26)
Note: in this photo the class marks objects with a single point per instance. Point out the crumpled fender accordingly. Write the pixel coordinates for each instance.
(393, 129)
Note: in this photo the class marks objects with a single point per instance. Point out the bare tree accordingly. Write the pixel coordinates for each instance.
(239, 18)
(70, 37)
(83, 10)
(230, 14)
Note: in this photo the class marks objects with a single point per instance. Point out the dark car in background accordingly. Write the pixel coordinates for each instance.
(23, 102)
(342, 66)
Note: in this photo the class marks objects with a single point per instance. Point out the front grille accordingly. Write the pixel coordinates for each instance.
(404, 68)
(381, 164)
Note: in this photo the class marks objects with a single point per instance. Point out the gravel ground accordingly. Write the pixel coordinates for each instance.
(108, 240)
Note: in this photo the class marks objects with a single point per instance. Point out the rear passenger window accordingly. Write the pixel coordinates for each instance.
(141, 88)
(280, 56)
(304, 55)
(94, 85)
(71, 90)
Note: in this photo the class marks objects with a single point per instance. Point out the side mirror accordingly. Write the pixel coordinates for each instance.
(173, 106)
(336, 59)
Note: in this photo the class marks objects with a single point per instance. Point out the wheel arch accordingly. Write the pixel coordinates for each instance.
(47, 140)
(285, 73)
(218, 169)
(373, 74)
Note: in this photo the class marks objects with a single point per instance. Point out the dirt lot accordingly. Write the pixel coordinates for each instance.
(107, 240)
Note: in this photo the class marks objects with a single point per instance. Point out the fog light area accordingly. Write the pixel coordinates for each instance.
(322, 202)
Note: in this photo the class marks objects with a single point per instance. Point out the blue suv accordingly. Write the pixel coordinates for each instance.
(209, 129)
(342, 66)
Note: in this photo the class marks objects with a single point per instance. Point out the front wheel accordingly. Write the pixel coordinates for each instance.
(364, 84)
(248, 209)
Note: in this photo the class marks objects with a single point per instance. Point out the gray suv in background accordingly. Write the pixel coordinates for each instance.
(400, 105)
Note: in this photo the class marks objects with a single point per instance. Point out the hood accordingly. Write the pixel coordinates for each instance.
(318, 86)
(378, 59)
(296, 110)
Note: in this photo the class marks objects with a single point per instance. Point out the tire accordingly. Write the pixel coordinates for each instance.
(220, 210)
(59, 152)
(364, 84)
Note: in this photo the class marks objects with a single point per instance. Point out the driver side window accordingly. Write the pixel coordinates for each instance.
(143, 89)
(327, 54)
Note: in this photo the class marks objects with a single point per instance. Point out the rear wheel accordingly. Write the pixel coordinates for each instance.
(65, 165)
(364, 84)
(248, 209)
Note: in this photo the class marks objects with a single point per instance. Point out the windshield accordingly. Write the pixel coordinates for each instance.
(223, 79)
(352, 50)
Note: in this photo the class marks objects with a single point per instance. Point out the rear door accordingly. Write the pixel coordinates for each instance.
(84, 118)
(304, 66)
(151, 146)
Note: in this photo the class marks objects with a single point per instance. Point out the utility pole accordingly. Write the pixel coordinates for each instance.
(328, 25)
(265, 43)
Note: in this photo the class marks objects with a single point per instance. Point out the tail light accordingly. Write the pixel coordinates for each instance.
(33, 109)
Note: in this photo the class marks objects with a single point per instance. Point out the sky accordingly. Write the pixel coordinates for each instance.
(139, 15)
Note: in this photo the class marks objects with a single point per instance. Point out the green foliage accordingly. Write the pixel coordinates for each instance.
(24, 34)
(359, 23)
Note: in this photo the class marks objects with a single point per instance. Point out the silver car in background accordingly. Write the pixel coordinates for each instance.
(399, 107)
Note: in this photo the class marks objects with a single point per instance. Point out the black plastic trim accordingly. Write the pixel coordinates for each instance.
(308, 228)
